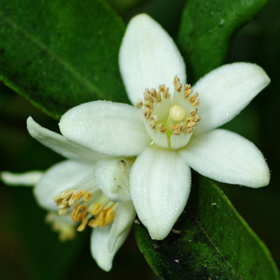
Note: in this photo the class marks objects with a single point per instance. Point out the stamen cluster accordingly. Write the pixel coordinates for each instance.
(157, 106)
(94, 213)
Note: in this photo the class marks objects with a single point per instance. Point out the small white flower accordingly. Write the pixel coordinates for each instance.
(87, 189)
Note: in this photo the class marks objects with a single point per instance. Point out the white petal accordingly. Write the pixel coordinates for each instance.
(148, 57)
(112, 177)
(61, 145)
(59, 178)
(110, 128)
(227, 157)
(124, 218)
(159, 186)
(227, 90)
(21, 179)
(99, 248)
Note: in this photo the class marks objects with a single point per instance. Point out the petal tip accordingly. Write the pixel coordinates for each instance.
(158, 234)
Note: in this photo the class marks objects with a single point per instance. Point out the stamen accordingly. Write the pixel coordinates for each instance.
(161, 127)
(194, 97)
(177, 84)
(139, 104)
(187, 91)
(83, 225)
(165, 91)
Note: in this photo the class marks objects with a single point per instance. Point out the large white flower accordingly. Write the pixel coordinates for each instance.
(170, 132)
(87, 189)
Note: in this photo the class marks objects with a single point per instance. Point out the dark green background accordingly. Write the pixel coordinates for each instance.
(29, 250)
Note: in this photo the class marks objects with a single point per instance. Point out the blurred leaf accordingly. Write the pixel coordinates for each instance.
(209, 241)
(60, 53)
(207, 27)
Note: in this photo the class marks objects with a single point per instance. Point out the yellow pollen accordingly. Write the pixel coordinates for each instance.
(177, 113)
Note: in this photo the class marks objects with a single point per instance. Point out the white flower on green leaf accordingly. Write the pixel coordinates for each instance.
(171, 128)
(87, 189)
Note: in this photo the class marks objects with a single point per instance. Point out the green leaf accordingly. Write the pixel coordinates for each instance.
(207, 27)
(60, 53)
(209, 241)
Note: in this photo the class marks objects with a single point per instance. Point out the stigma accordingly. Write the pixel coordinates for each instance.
(177, 113)
(170, 119)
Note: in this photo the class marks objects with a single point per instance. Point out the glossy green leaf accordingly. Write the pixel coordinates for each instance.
(209, 241)
(61, 53)
(207, 27)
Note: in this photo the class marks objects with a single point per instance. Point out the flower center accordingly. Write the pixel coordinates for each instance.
(88, 207)
(170, 120)
(95, 199)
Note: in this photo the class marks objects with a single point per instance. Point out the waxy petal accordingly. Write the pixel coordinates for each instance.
(112, 177)
(28, 179)
(160, 184)
(124, 218)
(227, 157)
(109, 128)
(61, 145)
(227, 90)
(99, 246)
(59, 178)
(148, 57)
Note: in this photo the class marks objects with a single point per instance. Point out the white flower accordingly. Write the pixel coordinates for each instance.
(87, 189)
(165, 130)
(169, 132)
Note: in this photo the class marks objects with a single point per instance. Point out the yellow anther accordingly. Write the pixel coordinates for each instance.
(87, 197)
(83, 224)
(177, 113)
(58, 197)
(97, 208)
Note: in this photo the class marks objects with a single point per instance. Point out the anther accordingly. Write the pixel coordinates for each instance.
(139, 104)
(87, 197)
(161, 127)
(61, 212)
(153, 124)
(147, 113)
(147, 95)
(195, 104)
(58, 197)
(153, 93)
(177, 84)
(82, 226)
(194, 97)
(149, 104)
(187, 91)
(164, 90)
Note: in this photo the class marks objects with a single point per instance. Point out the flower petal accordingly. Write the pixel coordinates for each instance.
(227, 157)
(159, 186)
(21, 179)
(123, 221)
(58, 178)
(148, 57)
(99, 249)
(227, 90)
(61, 145)
(112, 177)
(111, 128)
